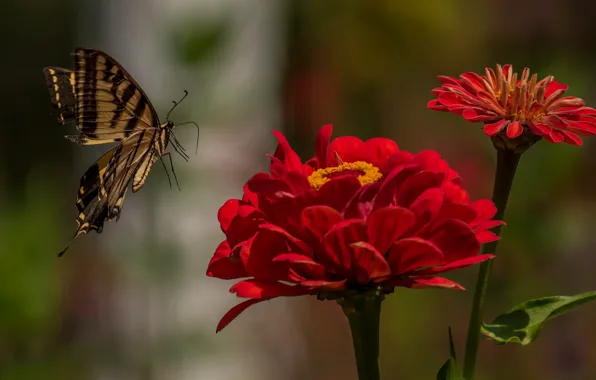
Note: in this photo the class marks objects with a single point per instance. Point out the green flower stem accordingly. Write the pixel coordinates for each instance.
(364, 312)
(506, 166)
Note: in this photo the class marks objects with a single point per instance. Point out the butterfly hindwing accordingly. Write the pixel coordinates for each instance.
(129, 159)
(93, 210)
(142, 172)
(104, 185)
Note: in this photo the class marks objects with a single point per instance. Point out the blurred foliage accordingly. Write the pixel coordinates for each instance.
(30, 300)
(195, 42)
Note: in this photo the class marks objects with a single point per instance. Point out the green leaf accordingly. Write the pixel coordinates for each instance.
(523, 323)
(449, 370)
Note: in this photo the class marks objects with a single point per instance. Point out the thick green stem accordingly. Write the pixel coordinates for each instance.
(363, 313)
(506, 165)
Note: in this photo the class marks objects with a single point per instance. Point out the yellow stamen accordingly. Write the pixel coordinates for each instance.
(369, 174)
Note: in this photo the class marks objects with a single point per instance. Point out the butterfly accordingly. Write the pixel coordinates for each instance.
(109, 106)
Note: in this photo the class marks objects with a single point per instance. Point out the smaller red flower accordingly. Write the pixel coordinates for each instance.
(359, 216)
(511, 107)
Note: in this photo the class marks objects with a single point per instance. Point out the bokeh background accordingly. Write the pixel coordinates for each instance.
(134, 302)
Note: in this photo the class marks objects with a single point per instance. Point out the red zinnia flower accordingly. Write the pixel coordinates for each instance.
(512, 107)
(361, 215)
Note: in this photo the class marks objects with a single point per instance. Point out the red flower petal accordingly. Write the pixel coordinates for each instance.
(485, 210)
(387, 224)
(379, 150)
(286, 154)
(227, 212)
(349, 149)
(338, 192)
(454, 193)
(225, 266)
(427, 206)
(514, 129)
(387, 193)
(325, 285)
(249, 197)
(395, 160)
(263, 248)
(361, 204)
(410, 254)
(263, 183)
(322, 146)
(256, 289)
(303, 266)
(429, 159)
(298, 182)
(461, 211)
(476, 114)
(486, 237)
(455, 239)
(369, 264)
(425, 282)
(436, 105)
(235, 312)
(457, 264)
(495, 128)
(318, 220)
(417, 184)
(572, 139)
(243, 226)
(337, 241)
(293, 242)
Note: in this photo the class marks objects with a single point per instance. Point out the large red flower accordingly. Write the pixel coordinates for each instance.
(361, 215)
(511, 107)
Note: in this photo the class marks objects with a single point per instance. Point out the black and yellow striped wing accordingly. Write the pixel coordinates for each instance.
(104, 185)
(108, 106)
(61, 83)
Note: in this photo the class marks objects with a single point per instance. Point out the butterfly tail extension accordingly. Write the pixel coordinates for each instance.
(69, 244)
(91, 218)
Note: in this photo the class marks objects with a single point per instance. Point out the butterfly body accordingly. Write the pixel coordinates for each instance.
(108, 106)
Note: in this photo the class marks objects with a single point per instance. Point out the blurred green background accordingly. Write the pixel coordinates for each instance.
(133, 302)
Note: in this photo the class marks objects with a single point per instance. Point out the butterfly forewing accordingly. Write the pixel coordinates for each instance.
(61, 84)
(110, 105)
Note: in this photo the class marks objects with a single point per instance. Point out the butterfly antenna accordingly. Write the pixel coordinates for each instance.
(166, 169)
(198, 132)
(176, 105)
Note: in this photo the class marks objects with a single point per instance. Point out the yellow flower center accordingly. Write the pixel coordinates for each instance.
(367, 173)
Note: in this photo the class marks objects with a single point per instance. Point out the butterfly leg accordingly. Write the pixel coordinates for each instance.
(172, 167)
